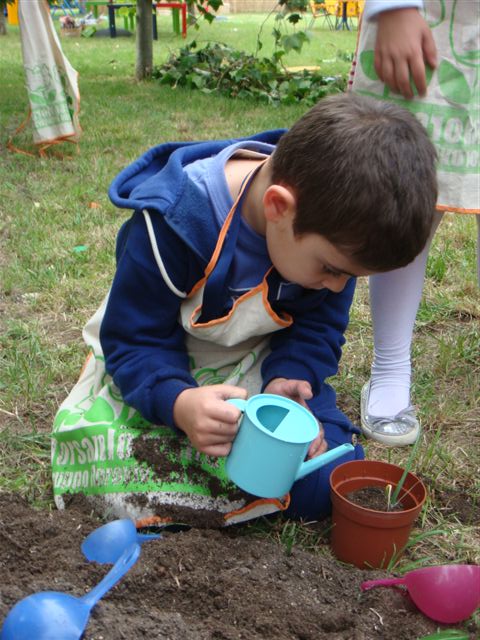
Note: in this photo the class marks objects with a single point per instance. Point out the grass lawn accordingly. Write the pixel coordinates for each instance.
(48, 288)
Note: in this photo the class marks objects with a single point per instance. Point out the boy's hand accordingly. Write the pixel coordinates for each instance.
(319, 445)
(404, 44)
(209, 422)
(300, 391)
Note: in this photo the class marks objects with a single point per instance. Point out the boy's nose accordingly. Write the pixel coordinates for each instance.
(336, 284)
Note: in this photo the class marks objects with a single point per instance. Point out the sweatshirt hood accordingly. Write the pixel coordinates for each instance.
(157, 182)
(141, 184)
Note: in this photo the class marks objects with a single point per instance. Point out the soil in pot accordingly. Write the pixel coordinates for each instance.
(373, 498)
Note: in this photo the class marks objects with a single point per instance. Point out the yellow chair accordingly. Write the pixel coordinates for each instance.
(321, 10)
(355, 8)
(12, 12)
(331, 6)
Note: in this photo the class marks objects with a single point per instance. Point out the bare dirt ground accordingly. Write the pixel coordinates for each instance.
(202, 584)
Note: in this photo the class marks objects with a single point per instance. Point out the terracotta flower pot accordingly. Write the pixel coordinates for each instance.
(365, 537)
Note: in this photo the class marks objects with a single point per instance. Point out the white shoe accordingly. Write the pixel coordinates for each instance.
(394, 431)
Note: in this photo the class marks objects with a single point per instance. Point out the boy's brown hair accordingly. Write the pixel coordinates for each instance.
(363, 172)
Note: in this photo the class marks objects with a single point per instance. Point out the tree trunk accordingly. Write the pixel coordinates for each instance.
(3, 23)
(144, 62)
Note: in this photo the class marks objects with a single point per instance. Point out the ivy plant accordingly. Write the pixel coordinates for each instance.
(237, 74)
(222, 69)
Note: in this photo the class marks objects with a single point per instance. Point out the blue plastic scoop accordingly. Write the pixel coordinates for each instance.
(52, 615)
(107, 543)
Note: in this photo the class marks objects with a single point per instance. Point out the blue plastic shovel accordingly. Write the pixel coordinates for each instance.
(107, 543)
(52, 615)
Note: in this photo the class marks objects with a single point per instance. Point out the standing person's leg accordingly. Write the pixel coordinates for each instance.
(478, 248)
(394, 299)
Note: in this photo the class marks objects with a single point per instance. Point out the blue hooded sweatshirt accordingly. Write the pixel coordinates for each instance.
(142, 339)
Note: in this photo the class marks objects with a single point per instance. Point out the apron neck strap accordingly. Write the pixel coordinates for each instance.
(214, 291)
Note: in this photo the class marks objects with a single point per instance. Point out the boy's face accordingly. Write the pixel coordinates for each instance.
(309, 260)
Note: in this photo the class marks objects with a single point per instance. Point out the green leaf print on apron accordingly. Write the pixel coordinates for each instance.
(451, 109)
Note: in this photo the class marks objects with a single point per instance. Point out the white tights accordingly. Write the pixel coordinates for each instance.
(394, 300)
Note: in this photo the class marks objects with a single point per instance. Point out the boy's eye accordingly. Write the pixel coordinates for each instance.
(331, 272)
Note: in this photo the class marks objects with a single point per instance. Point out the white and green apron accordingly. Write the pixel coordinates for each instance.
(98, 439)
(451, 110)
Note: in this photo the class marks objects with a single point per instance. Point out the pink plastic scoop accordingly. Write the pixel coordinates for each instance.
(448, 593)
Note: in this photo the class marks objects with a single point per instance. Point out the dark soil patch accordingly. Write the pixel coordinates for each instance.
(372, 498)
(163, 463)
(200, 584)
(458, 504)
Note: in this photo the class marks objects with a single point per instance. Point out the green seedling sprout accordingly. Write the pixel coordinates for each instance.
(394, 497)
(388, 494)
(446, 634)
(412, 542)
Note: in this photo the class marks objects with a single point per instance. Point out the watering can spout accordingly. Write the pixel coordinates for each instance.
(315, 463)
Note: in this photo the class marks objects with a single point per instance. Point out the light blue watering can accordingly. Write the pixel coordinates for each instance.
(268, 453)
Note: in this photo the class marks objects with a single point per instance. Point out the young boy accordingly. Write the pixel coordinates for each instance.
(235, 275)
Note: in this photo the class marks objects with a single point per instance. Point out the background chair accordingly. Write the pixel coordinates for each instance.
(62, 5)
(322, 10)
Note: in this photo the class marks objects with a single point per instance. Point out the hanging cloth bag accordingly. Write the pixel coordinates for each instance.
(51, 80)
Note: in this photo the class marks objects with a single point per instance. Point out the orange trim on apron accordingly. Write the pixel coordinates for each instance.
(277, 502)
(445, 209)
(221, 239)
(284, 321)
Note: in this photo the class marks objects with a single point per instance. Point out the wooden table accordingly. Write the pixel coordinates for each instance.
(176, 7)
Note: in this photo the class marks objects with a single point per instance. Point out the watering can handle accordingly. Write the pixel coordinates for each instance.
(315, 463)
(387, 582)
(238, 402)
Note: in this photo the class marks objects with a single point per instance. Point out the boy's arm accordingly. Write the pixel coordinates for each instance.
(403, 46)
(142, 340)
(144, 343)
(311, 348)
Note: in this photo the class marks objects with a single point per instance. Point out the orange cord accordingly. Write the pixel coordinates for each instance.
(42, 146)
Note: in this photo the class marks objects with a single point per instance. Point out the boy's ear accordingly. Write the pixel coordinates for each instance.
(278, 201)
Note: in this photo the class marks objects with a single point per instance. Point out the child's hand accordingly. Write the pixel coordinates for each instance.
(404, 44)
(300, 391)
(209, 422)
(319, 445)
